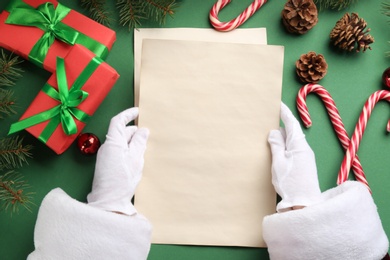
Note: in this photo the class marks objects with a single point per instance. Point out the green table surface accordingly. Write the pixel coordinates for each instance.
(351, 78)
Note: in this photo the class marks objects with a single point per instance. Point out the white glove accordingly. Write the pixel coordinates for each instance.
(294, 172)
(119, 165)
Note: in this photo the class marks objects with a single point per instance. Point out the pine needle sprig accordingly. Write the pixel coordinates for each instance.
(14, 192)
(131, 13)
(334, 4)
(386, 8)
(98, 11)
(386, 11)
(8, 72)
(7, 102)
(159, 9)
(13, 153)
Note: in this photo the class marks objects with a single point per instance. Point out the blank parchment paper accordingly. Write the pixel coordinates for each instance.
(209, 108)
(247, 35)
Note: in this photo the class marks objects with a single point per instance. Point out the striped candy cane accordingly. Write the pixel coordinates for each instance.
(228, 26)
(335, 119)
(359, 131)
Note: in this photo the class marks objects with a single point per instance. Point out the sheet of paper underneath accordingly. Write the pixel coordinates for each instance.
(248, 35)
(209, 108)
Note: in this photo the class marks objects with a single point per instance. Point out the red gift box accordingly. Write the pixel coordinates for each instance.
(79, 64)
(21, 39)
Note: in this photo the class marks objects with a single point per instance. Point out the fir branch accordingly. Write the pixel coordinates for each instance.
(13, 153)
(334, 4)
(131, 13)
(386, 11)
(8, 72)
(97, 11)
(386, 8)
(7, 102)
(159, 9)
(13, 192)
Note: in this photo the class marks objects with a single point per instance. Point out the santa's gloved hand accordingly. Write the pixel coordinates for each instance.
(294, 172)
(119, 165)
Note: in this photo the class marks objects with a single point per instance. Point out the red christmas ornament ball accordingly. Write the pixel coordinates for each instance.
(88, 143)
(386, 77)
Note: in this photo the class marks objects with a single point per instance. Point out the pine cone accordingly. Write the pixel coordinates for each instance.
(349, 33)
(311, 67)
(299, 16)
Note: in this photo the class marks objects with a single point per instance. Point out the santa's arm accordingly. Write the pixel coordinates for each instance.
(68, 229)
(341, 223)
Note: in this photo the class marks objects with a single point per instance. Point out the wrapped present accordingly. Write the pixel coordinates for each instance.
(41, 30)
(69, 98)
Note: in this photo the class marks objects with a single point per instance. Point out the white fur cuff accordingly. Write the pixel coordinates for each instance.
(345, 225)
(68, 229)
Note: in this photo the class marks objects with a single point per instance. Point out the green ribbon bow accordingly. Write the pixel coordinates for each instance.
(66, 111)
(48, 19)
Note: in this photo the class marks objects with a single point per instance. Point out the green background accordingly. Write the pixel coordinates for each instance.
(351, 78)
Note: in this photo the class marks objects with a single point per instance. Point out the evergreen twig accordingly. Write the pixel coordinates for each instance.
(98, 11)
(14, 192)
(334, 4)
(131, 13)
(159, 9)
(13, 154)
(386, 11)
(6, 102)
(386, 8)
(8, 72)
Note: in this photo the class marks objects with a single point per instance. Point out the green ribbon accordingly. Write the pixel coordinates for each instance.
(48, 18)
(66, 111)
